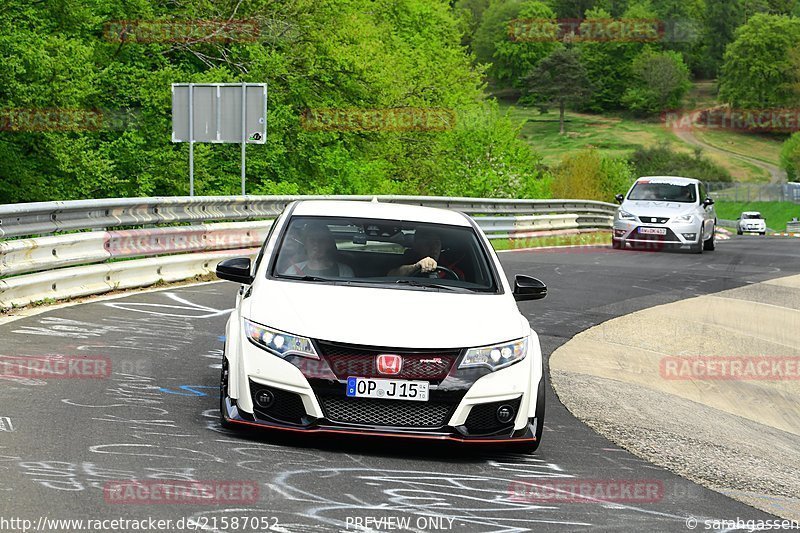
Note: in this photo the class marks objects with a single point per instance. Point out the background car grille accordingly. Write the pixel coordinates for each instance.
(392, 413)
(360, 361)
(287, 407)
(482, 418)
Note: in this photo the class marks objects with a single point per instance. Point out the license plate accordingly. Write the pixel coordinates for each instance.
(653, 231)
(387, 389)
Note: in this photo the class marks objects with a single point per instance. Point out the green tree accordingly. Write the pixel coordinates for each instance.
(377, 54)
(558, 79)
(721, 21)
(510, 57)
(790, 157)
(661, 81)
(590, 175)
(608, 63)
(758, 69)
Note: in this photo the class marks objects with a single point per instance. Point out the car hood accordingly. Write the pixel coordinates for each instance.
(656, 208)
(755, 221)
(397, 318)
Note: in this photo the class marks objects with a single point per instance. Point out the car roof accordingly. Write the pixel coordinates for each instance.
(677, 180)
(380, 210)
(751, 212)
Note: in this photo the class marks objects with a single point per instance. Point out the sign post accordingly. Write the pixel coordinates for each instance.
(219, 113)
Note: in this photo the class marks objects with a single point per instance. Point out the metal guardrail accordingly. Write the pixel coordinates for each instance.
(82, 263)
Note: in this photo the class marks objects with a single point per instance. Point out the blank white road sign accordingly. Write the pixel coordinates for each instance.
(216, 110)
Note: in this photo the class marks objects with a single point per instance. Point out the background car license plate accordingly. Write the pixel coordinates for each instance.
(653, 231)
(387, 389)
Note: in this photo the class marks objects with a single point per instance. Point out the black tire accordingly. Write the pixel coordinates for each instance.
(540, 409)
(711, 243)
(617, 245)
(697, 248)
(223, 392)
(739, 232)
(763, 233)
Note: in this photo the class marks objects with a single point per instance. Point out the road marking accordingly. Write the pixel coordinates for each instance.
(5, 424)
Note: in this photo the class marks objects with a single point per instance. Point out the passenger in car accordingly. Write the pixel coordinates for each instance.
(320, 248)
(423, 256)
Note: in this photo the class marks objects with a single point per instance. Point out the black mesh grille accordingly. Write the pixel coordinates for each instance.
(287, 407)
(392, 413)
(482, 418)
(360, 361)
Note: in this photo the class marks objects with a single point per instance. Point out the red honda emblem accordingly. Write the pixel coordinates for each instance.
(389, 364)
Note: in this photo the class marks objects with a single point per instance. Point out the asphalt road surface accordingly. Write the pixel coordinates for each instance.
(155, 418)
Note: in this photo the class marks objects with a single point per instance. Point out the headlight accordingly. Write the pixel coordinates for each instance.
(683, 218)
(496, 356)
(278, 342)
(624, 215)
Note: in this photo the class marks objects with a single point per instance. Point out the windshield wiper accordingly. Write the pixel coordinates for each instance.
(310, 278)
(417, 283)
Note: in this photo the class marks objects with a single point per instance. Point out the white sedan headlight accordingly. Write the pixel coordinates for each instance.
(277, 342)
(624, 215)
(683, 218)
(496, 356)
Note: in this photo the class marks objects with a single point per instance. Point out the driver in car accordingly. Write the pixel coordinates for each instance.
(424, 256)
(320, 248)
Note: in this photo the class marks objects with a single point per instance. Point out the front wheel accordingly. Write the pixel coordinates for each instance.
(223, 392)
(617, 245)
(538, 421)
(711, 243)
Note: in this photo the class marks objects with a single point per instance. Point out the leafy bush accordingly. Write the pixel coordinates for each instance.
(661, 160)
(790, 157)
(661, 79)
(590, 175)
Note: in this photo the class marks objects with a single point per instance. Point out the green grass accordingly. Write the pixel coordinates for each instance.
(612, 135)
(776, 213)
(766, 148)
(586, 239)
(619, 136)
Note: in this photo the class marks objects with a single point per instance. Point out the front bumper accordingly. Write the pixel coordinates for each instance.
(460, 408)
(676, 234)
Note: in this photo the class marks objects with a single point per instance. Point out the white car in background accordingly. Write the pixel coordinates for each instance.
(751, 222)
(665, 211)
(339, 328)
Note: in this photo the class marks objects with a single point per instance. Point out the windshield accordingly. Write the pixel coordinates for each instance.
(756, 216)
(663, 191)
(389, 253)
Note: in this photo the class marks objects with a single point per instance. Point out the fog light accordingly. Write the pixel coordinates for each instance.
(689, 236)
(505, 414)
(264, 399)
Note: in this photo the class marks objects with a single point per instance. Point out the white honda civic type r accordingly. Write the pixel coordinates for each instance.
(381, 319)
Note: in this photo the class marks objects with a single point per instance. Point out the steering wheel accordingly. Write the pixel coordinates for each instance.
(449, 273)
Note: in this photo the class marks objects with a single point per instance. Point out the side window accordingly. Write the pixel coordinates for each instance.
(703, 193)
(264, 246)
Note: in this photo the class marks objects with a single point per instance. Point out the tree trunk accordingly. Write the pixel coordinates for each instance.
(561, 116)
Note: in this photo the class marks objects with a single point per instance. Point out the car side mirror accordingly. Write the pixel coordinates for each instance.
(619, 198)
(707, 202)
(235, 269)
(528, 288)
